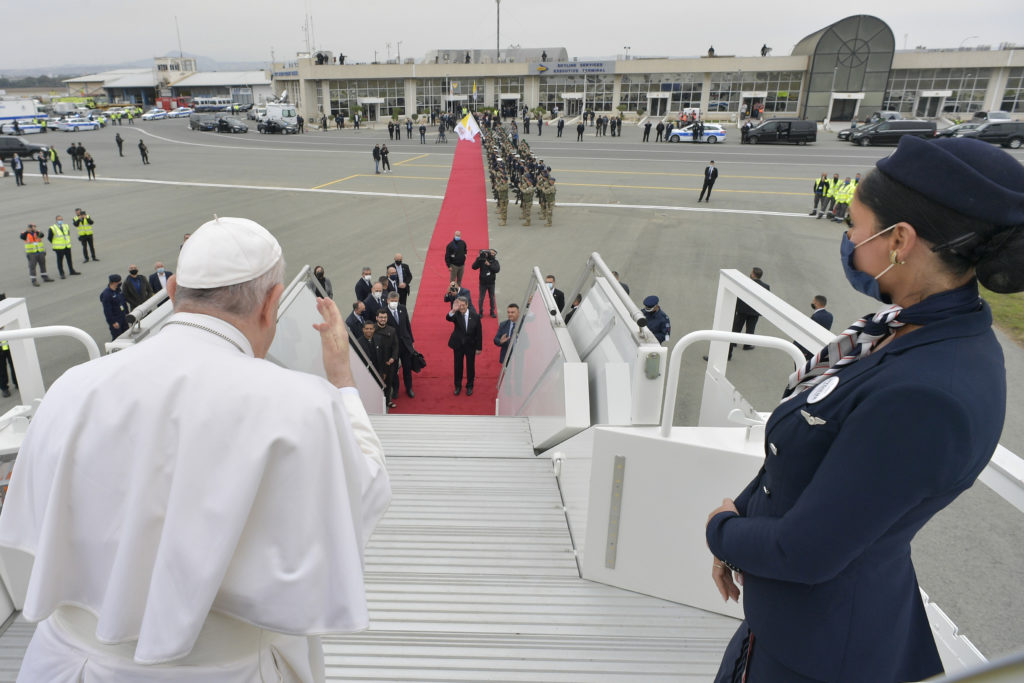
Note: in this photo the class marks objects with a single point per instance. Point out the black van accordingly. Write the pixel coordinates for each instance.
(796, 131)
(890, 132)
(202, 121)
(1006, 133)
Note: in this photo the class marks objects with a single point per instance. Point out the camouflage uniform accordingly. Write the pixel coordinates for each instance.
(502, 187)
(527, 190)
(549, 200)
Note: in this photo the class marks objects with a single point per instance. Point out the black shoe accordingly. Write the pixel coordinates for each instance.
(47, 278)
(469, 391)
(704, 357)
(392, 404)
(85, 260)
(35, 284)
(494, 315)
(95, 259)
(820, 216)
(812, 213)
(747, 347)
(6, 393)
(75, 272)
(408, 392)
(458, 390)
(62, 276)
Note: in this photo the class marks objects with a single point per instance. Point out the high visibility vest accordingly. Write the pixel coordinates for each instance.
(844, 194)
(833, 189)
(84, 224)
(4, 346)
(34, 245)
(61, 236)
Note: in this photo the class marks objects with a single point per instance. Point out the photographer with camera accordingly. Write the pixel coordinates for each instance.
(455, 290)
(488, 266)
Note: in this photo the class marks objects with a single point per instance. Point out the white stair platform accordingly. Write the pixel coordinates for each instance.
(471, 576)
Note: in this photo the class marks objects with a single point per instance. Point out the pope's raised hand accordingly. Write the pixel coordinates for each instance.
(334, 343)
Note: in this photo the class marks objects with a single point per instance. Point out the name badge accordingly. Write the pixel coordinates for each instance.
(822, 390)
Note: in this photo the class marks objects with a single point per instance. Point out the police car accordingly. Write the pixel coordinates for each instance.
(24, 128)
(154, 114)
(76, 123)
(179, 113)
(712, 133)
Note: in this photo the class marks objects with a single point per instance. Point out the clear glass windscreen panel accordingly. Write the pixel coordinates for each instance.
(536, 353)
(297, 345)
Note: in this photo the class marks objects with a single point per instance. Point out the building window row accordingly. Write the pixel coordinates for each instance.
(376, 97)
(912, 91)
(1013, 96)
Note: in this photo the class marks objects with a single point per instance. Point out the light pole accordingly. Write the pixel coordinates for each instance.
(626, 48)
(966, 39)
(399, 46)
(497, 35)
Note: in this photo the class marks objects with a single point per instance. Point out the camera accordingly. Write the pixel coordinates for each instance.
(453, 288)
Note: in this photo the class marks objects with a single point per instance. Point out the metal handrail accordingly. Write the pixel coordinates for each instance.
(146, 307)
(669, 403)
(596, 264)
(56, 331)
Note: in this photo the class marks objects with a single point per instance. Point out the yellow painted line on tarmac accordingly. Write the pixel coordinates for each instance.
(678, 189)
(412, 159)
(339, 180)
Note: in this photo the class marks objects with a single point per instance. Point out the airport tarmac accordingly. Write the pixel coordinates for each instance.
(635, 203)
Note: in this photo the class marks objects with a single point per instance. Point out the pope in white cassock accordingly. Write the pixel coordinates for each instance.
(216, 530)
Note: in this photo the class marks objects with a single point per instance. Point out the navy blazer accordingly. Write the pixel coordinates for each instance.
(849, 477)
(503, 327)
(823, 317)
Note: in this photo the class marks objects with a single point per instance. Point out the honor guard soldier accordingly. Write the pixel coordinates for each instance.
(502, 186)
(549, 200)
(526, 191)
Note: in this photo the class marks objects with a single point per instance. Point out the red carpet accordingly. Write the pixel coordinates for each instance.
(464, 208)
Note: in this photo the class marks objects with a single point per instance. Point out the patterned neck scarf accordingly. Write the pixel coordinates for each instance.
(863, 337)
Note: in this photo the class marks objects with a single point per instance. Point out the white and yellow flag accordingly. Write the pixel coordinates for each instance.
(467, 129)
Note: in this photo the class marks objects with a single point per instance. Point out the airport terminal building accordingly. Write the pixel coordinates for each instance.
(844, 71)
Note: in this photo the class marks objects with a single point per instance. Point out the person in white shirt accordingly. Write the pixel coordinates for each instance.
(158, 280)
(214, 531)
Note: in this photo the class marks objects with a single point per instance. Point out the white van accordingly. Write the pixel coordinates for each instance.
(284, 111)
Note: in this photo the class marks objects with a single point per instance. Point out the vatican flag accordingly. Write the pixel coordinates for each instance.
(467, 128)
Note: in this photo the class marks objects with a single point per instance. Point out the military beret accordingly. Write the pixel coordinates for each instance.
(651, 302)
(969, 176)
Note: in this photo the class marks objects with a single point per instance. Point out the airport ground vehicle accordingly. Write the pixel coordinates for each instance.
(712, 133)
(9, 146)
(1006, 133)
(890, 132)
(795, 131)
(277, 126)
(285, 111)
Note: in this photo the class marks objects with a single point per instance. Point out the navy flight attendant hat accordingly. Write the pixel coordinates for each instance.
(971, 177)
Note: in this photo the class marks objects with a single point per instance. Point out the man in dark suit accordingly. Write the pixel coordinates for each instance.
(710, 176)
(398, 318)
(487, 264)
(386, 338)
(356, 318)
(371, 350)
(465, 342)
(364, 285)
(375, 301)
(158, 280)
(821, 316)
(404, 273)
(555, 292)
(455, 257)
(506, 330)
(745, 316)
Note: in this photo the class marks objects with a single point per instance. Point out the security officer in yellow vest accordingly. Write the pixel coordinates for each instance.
(60, 240)
(84, 224)
(5, 360)
(844, 195)
(830, 198)
(35, 252)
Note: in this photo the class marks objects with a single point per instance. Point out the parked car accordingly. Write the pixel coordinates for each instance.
(9, 146)
(796, 131)
(154, 114)
(277, 126)
(885, 116)
(845, 133)
(76, 123)
(982, 116)
(201, 121)
(179, 112)
(24, 128)
(1006, 133)
(712, 133)
(230, 124)
(257, 113)
(958, 128)
(890, 132)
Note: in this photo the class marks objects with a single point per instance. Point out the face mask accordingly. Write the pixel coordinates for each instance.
(859, 280)
(398, 260)
(160, 270)
(551, 286)
(457, 238)
(319, 275)
(393, 305)
(134, 271)
(61, 222)
(367, 278)
(376, 295)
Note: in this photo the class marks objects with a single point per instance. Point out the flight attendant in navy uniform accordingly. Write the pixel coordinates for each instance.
(880, 430)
